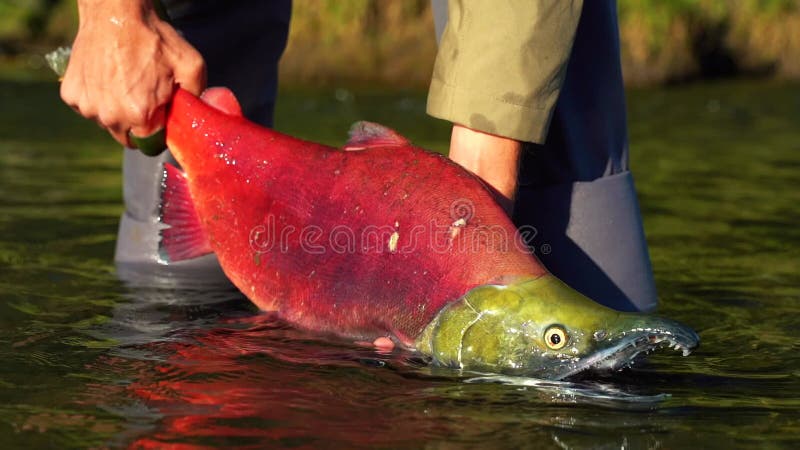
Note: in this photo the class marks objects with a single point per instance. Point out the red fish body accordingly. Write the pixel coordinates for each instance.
(368, 241)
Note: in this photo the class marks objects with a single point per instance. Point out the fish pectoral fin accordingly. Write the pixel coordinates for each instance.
(222, 99)
(185, 237)
(365, 135)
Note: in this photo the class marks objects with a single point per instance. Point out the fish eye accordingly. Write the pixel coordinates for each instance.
(555, 337)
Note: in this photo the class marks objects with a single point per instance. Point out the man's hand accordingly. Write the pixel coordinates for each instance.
(125, 66)
(495, 159)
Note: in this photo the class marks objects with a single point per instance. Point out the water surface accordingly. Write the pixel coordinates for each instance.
(90, 362)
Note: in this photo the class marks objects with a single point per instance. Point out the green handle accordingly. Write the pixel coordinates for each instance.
(152, 145)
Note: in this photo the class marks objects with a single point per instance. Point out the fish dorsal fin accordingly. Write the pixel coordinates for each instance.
(364, 135)
(222, 99)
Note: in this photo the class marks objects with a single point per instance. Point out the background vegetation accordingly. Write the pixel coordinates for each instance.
(392, 43)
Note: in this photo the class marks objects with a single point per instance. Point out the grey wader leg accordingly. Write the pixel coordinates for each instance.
(241, 42)
(137, 253)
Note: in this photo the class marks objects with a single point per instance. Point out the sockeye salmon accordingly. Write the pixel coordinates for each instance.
(384, 242)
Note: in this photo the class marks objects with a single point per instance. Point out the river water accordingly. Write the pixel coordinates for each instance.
(89, 362)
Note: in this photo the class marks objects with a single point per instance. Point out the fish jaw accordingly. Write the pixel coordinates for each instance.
(506, 328)
(640, 336)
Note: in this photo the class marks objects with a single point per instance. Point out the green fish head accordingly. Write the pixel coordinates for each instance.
(543, 328)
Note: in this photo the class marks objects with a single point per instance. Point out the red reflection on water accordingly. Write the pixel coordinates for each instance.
(264, 385)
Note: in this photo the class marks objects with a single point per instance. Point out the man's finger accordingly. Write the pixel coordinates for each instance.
(189, 68)
(154, 123)
(119, 134)
(191, 74)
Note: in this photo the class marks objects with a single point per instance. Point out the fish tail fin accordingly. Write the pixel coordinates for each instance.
(184, 238)
(222, 99)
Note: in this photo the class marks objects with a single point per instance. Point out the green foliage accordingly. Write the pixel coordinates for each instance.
(25, 23)
(658, 16)
(771, 8)
(14, 18)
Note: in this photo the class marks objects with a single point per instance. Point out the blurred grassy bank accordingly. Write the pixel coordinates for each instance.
(392, 43)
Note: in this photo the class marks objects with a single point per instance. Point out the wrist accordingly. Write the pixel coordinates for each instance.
(495, 159)
(116, 12)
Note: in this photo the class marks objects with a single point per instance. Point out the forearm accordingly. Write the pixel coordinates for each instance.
(116, 12)
(495, 159)
(497, 76)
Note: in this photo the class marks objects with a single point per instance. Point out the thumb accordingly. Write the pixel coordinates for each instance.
(188, 66)
(190, 72)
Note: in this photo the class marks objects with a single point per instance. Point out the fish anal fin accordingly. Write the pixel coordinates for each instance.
(365, 135)
(185, 238)
(222, 99)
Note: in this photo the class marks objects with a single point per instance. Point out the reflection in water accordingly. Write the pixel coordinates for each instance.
(229, 375)
(593, 392)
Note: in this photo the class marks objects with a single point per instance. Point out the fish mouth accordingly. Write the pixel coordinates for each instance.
(630, 345)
